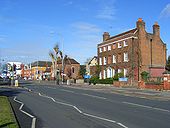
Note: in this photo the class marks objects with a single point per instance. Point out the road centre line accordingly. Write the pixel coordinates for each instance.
(20, 108)
(85, 94)
(144, 106)
(67, 90)
(85, 114)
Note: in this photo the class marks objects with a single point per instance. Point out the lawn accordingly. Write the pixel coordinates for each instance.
(7, 118)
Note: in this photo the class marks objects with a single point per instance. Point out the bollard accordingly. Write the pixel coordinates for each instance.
(16, 83)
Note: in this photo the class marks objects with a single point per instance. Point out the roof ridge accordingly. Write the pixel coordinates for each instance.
(123, 33)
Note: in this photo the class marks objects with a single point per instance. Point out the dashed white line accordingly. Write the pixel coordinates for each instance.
(85, 114)
(20, 108)
(67, 90)
(85, 94)
(144, 106)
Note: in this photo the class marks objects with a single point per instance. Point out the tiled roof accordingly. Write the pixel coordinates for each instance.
(41, 64)
(124, 33)
(69, 61)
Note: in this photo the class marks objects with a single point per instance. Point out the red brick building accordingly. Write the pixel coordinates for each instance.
(71, 69)
(132, 52)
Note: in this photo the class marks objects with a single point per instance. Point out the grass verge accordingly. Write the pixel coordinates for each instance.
(7, 118)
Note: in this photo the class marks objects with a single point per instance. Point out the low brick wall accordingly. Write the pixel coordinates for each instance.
(142, 85)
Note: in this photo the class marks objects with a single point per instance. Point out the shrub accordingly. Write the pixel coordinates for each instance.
(93, 80)
(96, 80)
(145, 75)
(117, 76)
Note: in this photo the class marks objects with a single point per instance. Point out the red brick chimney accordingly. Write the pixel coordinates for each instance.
(156, 29)
(140, 24)
(106, 36)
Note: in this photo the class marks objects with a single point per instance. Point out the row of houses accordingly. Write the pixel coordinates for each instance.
(44, 70)
(131, 53)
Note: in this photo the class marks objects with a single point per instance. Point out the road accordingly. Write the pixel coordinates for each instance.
(64, 107)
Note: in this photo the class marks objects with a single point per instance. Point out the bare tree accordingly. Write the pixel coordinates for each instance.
(55, 56)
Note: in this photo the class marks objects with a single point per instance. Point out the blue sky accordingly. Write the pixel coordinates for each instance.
(29, 29)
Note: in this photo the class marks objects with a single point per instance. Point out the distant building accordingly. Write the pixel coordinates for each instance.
(71, 69)
(37, 70)
(132, 52)
(17, 69)
(90, 66)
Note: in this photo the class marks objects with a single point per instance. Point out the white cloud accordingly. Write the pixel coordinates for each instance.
(85, 27)
(166, 11)
(107, 12)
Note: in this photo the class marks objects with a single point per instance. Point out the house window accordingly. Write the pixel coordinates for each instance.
(109, 73)
(109, 48)
(125, 72)
(100, 50)
(72, 69)
(104, 59)
(104, 49)
(114, 46)
(125, 57)
(119, 58)
(100, 75)
(125, 43)
(100, 61)
(114, 59)
(119, 70)
(119, 44)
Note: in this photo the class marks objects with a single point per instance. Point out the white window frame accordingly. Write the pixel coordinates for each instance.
(125, 43)
(119, 70)
(114, 59)
(104, 49)
(125, 72)
(100, 61)
(120, 45)
(125, 57)
(109, 48)
(104, 60)
(100, 50)
(109, 73)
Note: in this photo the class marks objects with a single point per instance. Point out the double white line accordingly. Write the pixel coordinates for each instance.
(26, 113)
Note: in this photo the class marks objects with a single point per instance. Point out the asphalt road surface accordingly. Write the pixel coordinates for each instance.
(64, 107)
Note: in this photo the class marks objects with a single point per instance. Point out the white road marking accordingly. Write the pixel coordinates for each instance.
(67, 90)
(85, 94)
(144, 106)
(51, 87)
(77, 109)
(20, 108)
(85, 114)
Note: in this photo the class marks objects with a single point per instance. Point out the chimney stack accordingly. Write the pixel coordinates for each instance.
(140, 24)
(106, 36)
(156, 29)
